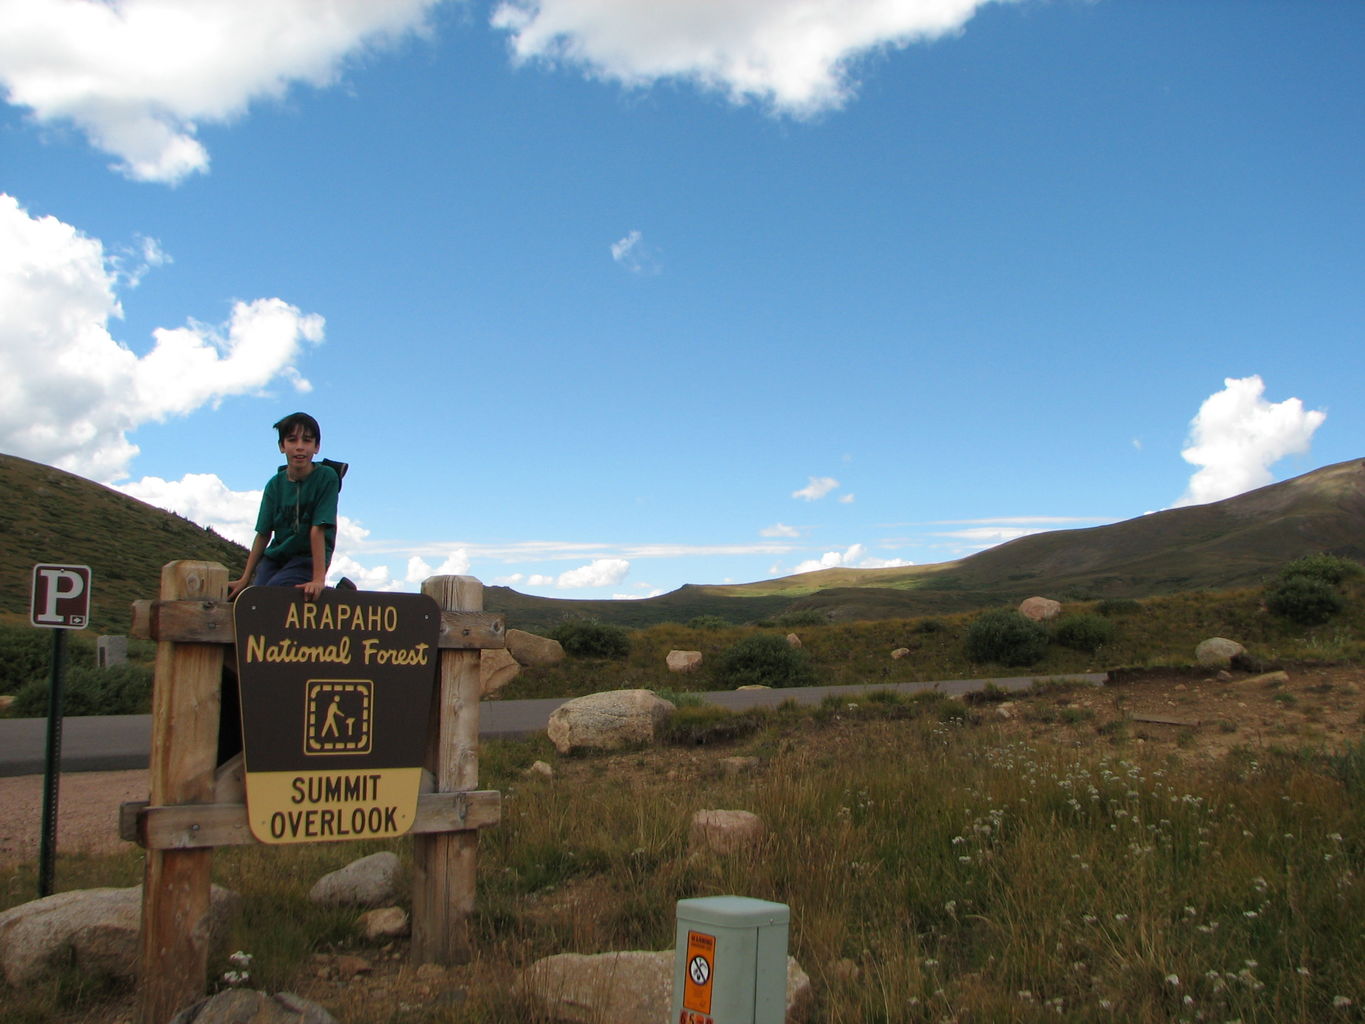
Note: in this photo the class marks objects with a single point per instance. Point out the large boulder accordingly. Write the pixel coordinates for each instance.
(497, 668)
(1040, 609)
(607, 721)
(1218, 652)
(244, 1006)
(94, 929)
(371, 881)
(634, 987)
(530, 649)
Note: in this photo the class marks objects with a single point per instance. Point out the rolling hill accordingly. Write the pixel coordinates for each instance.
(47, 515)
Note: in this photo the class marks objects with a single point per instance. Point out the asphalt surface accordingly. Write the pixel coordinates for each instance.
(120, 742)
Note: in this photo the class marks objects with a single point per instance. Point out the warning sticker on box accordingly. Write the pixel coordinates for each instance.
(701, 972)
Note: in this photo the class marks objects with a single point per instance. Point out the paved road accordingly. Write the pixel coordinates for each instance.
(116, 742)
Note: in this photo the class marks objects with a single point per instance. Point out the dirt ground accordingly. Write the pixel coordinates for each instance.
(1194, 718)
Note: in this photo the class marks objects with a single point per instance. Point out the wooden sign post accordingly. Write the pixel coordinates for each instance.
(180, 825)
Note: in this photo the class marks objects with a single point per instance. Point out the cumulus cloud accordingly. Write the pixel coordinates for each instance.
(204, 499)
(779, 530)
(138, 77)
(70, 393)
(1237, 436)
(832, 560)
(818, 487)
(601, 572)
(796, 56)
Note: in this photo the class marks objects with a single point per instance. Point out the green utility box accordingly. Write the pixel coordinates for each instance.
(730, 961)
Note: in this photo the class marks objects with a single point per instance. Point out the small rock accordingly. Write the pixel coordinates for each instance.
(793, 640)
(497, 668)
(530, 649)
(900, 652)
(684, 661)
(1040, 609)
(238, 1005)
(384, 923)
(348, 965)
(1218, 652)
(847, 970)
(540, 770)
(726, 831)
(369, 882)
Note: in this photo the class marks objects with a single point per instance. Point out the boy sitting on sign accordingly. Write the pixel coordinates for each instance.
(296, 526)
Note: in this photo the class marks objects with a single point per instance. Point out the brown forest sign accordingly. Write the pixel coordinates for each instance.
(336, 696)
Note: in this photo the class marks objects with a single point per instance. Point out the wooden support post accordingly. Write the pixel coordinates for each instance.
(444, 864)
(173, 960)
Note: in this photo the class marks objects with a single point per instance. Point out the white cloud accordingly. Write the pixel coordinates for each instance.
(795, 55)
(779, 530)
(204, 499)
(883, 563)
(602, 572)
(846, 499)
(137, 77)
(989, 536)
(818, 487)
(1237, 436)
(634, 254)
(70, 393)
(832, 560)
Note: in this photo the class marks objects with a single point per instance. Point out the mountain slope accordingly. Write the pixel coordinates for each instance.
(48, 515)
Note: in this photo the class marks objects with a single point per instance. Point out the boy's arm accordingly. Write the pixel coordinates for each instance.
(317, 541)
(257, 550)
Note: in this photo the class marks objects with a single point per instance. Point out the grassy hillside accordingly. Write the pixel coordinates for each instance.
(51, 516)
(48, 515)
(1232, 543)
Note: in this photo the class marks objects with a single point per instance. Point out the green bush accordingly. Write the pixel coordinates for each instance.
(1116, 606)
(1084, 632)
(589, 638)
(1005, 637)
(707, 622)
(26, 654)
(117, 690)
(1329, 569)
(1305, 600)
(765, 659)
(796, 619)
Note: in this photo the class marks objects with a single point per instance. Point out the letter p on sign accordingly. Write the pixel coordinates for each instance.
(61, 596)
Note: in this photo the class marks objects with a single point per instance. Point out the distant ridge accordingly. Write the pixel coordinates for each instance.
(48, 515)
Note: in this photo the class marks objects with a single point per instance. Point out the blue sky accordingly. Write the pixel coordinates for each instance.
(601, 298)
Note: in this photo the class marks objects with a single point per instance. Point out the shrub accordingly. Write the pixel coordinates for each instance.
(1329, 569)
(1007, 638)
(707, 622)
(791, 620)
(589, 638)
(1116, 606)
(1304, 600)
(117, 690)
(765, 659)
(1084, 632)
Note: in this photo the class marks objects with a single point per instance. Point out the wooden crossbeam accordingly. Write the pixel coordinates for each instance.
(210, 622)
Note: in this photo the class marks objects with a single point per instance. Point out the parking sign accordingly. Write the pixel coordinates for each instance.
(61, 596)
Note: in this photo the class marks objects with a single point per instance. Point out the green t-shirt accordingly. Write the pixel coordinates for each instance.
(290, 509)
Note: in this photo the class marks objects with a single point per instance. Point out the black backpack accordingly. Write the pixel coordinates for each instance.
(339, 468)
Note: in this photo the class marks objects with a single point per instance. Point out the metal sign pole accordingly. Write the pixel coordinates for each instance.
(48, 841)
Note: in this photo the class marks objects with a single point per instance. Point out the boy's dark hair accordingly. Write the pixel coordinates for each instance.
(299, 419)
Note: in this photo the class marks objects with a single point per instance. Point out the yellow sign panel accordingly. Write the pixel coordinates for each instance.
(317, 806)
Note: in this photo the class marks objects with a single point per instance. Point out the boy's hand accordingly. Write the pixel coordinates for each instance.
(312, 589)
(236, 587)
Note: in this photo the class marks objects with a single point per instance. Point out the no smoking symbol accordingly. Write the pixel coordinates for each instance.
(700, 970)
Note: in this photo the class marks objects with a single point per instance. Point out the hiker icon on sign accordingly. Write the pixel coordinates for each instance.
(339, 717)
